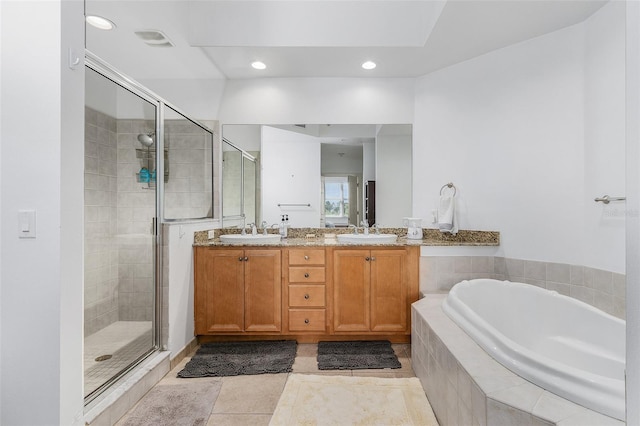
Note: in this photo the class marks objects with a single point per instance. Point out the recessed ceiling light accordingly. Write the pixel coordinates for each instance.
(100, 22)
(369, 65)
(258, 65)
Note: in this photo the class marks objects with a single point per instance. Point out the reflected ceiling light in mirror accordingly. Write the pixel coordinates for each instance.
(100, 22)
(258, 65)
(369, 65)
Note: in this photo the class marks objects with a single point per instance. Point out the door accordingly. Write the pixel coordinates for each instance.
(388, 290)
(219, 290)
(351, 278)
(121, 290)
(263, 290)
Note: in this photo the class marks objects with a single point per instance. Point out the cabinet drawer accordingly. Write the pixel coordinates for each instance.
(306, 257)
(307, 320)
(303, 274)
(307, 296)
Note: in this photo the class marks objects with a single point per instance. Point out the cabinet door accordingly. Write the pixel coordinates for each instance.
(351, 298)
(263, 290)
(219, 290)
(388, 290)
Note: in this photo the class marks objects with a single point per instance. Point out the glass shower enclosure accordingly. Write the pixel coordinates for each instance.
(121, 257)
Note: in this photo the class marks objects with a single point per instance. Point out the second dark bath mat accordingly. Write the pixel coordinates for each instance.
(356, 355)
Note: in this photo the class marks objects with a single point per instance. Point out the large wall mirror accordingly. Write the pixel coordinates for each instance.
(318, 175)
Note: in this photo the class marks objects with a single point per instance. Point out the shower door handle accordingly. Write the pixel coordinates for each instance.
(154, 222)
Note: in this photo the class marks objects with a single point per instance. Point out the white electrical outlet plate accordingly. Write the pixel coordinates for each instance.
(212, 234)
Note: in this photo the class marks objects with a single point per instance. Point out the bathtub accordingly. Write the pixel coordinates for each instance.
(556, 342)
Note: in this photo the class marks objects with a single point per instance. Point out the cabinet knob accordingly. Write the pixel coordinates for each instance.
(306, 296)
(246, 259)
(367, 258)
(373, 258)
(306, 321)
(306, 275)
(306, 257)
(240, 259)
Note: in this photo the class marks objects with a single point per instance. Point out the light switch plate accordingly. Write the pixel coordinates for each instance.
(26, 223)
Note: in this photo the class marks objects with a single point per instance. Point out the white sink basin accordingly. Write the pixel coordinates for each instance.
(250, 239)
(367, 239)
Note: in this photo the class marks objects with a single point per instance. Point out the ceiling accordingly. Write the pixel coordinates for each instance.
(317, 38)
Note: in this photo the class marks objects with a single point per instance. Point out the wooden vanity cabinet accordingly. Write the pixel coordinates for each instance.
(237, 290)
(305, 290)
(373, 289)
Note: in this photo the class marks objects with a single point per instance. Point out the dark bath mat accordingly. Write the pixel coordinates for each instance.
(356, 355)
(241, 358)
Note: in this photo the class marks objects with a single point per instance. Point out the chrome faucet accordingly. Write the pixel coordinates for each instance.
(365, 227)
(376, 227)
(244, 226)
(355, 229)
(264, 225)
(254, 229)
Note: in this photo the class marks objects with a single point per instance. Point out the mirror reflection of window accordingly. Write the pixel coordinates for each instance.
(336, 202)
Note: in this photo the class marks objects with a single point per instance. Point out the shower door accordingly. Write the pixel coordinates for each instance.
(120, 254)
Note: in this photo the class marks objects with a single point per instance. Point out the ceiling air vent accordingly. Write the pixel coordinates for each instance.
(154, 38)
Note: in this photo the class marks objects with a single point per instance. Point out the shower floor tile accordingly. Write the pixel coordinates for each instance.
(124, 341)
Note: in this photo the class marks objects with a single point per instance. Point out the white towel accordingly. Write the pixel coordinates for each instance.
(446, 215)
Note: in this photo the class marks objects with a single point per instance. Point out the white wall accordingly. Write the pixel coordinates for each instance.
(180, 285)
(246, 137)
(42, 169)
(317, 100)
(507, 129)
(291, 175)
(199, 99)
(530, 134)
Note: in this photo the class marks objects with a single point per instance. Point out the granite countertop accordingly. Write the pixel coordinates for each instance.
(316, 237)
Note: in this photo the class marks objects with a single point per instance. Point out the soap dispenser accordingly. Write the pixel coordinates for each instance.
(283, 227)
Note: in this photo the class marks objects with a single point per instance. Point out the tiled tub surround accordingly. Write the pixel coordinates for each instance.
(467, 387)
(603, 289)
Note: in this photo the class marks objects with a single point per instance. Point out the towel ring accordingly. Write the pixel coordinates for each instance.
(448, 185)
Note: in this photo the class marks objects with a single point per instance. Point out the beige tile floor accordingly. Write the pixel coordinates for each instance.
(251, 400)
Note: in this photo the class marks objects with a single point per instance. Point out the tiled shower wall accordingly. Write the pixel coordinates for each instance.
(603, 289)
(119, 211)
(101, 254)
(188, 190)
(136, 208)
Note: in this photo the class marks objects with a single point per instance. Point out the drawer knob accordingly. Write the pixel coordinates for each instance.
(306, 257)
(246, 259)
(367, 258)
(306, 321)
(306, 296)
(240, 259)
(306, 275)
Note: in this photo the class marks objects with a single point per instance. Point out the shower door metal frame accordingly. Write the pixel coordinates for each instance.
(97, 65)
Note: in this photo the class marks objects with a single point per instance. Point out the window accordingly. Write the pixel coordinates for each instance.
(336, 196)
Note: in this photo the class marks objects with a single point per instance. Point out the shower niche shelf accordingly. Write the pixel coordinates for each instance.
(147, 157)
